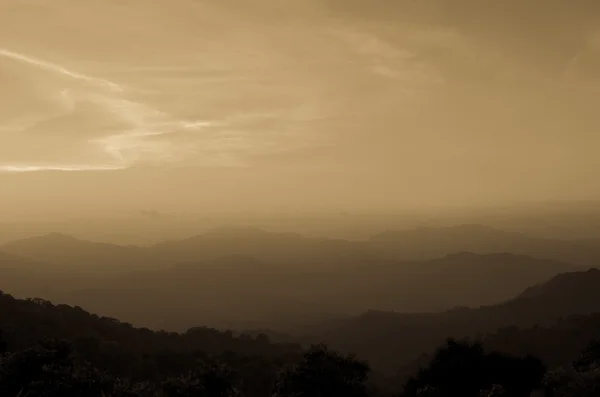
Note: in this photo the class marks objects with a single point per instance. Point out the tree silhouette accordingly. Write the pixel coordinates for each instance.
(582, 379)
(590, 357)
(49, 370)
(323, 373)
(495, 391)
(207, 380)
(3, 344)
(464, 369)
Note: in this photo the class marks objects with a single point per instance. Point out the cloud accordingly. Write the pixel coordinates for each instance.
(124, 147)
(42, 64)
(389, 60)
(21, 168)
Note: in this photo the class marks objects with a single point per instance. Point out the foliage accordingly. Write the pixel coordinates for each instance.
(77, 354)
(324, 373)
(581, 379)
(464, 369)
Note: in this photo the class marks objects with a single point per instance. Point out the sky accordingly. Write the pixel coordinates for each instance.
(270, 105)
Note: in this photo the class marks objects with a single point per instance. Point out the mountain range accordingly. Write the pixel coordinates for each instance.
(250, 278)
(553, 320)
(385, 338)
(409, 245)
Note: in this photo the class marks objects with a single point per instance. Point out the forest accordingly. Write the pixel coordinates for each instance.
(63, 351)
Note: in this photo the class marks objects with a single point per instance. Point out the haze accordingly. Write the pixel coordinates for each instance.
(193, 193)
(308, 105)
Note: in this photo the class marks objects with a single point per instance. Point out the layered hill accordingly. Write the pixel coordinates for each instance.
(67, 252)
(243, 292)
(25, 277)
(279, 280)
(410, 335)
(428, 243)
(24, 322)
(406, 245)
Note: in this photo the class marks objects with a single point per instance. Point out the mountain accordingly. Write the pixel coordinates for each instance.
(63, 250)
(576, 285)
(68, 252)
(243, 292)
(28, 328)
(429, 243)
(469, 279)
(24, 277)
(263, 245)
(26, 321)
(293, 249)
(386, 338)
(250, 278)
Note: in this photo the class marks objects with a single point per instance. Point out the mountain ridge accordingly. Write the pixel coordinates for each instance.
(364, 334)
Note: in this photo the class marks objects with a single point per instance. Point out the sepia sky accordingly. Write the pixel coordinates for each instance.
(235, 105)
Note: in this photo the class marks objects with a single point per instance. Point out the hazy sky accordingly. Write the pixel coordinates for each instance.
(299, 104)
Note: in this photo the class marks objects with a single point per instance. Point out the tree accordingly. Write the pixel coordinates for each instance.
(3, 344)
(495, 391)
(464, 369)
(590, 357)
(428, 391)
(49, 370)
(212, 379)
(323, 373)
(581, 379)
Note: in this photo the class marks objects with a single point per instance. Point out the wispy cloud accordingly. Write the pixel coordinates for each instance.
(16, 168)
(58, 69)
(388, 60)
(124, 147)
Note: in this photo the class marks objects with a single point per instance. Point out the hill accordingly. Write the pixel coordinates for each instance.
(250, 278)
(66, 252)
(406, 245)
(263, 245)
(25, 322)
(386, 338)
(243, 292)
(26, 277)
(429, 243)
(116, 350)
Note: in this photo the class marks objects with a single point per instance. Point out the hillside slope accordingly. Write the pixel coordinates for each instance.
(386, 338)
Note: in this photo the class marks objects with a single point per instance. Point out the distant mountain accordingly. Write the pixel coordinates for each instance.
(293, 249)
(282, 248)
(68, 252)
(253, 278)
(254, 294)
(407, 336)
(580, 285)
(265, 246)
(429, 243)
(23, 277)
(469, 279)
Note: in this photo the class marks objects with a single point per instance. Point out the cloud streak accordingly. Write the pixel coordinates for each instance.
(58, 69)
(124, 147)
(16, 168)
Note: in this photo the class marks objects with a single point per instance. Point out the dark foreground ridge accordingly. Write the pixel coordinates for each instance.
(63, 351)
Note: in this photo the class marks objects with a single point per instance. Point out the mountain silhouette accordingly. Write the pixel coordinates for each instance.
(242, 289)
(24, 277)
(566, 294)
(258, 279)
(408, 245)
(25, 322)
(262, 245)
(429, 243)
(65, 251)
